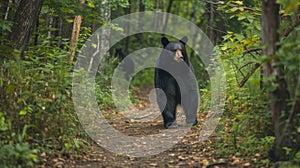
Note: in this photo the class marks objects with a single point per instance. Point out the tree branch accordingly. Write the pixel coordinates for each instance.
(249, 74)
(288, 30)
(251, 50)
(248, 63)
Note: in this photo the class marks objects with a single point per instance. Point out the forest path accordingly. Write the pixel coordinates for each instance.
(188, 152)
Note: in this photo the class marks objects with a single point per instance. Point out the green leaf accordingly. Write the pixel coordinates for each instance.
(239, 36)
(234, 9)
(67, 10)
(91, 4)
(241, 17)
(23, 112)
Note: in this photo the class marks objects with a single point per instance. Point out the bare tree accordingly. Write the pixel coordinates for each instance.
(75, 33)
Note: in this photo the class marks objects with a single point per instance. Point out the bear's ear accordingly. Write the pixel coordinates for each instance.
(164, 41)
(184, 40)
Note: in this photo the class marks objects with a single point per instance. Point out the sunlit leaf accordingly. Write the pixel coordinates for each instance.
(23, 112)
(224, 48)
(241, 17)
(239, 2)
(91, 4)
(70, 20)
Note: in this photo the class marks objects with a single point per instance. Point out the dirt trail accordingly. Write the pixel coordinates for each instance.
(188, 152)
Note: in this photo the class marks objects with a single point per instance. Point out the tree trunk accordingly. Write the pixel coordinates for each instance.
(155, 22)
(167, 16)
(141, 22)
(105, 34)
(104, 37)
(193, 19)
(24, 23)
(75, 34)
(128, 11)
(141, 9)
(58, 32)
(211, 21)
(4, 9)
(283, 115)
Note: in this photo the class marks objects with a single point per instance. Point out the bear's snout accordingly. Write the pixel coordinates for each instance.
(179, 59)
(178, 56)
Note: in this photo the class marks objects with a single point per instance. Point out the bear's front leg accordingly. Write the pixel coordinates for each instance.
(169, 113)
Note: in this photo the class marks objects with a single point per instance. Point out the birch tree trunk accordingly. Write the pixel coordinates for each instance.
(103, 37)
(105, 34)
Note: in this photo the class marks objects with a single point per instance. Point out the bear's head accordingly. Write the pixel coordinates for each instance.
(177, 48)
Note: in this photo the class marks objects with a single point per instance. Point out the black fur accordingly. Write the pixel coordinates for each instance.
(182, 74)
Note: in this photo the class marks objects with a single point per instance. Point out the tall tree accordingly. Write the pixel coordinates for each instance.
(141, 9)
(211, 21)
(284, 116)
(128, 11)
(24, 22)
(75, 33)
(167, 16)
(4, 9)
(105, 34)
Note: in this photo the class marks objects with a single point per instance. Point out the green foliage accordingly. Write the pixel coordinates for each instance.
(288, 61)
(247, 107)
(143, 78)
(288, 54)
(76, 146)
(297, 157)
(289, 6)
(103, 95)
(18, 155)
(37, 93)
(246, 119)
(15, 153)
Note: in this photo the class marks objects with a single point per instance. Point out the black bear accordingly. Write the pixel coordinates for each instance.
(174, 76)
(127, 64)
